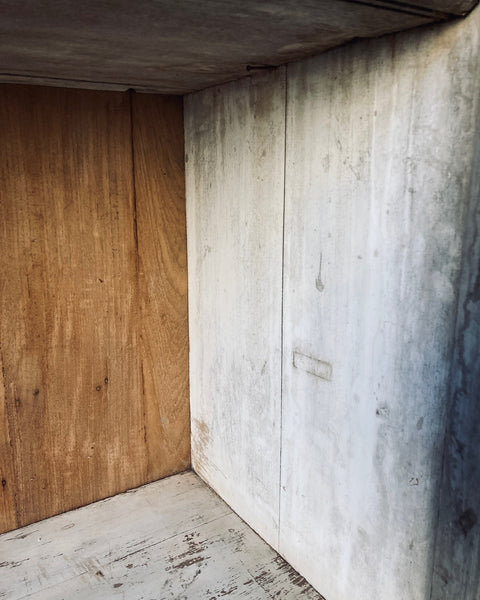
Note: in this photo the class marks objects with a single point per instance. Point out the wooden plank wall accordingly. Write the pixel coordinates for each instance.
(93, 299)
(235, 152)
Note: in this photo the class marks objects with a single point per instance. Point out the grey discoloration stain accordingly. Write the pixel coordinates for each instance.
(442, 573)
(319, 284)
(235, 141)
(314, 366)
(388, 316)
(456, 572)
(382, 411)
(467, 521)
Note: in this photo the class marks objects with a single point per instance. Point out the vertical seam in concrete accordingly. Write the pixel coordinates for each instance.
(282, 320)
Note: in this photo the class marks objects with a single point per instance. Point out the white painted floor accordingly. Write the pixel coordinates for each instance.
(173, 539)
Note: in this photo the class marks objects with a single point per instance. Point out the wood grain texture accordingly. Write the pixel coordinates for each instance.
(77, 345)
(183, 544)
(162, 279)
(234, 174)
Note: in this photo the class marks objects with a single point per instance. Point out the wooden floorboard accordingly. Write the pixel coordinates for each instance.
(172, 539)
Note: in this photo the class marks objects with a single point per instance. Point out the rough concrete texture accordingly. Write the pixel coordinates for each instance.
(457, 550)
(176, 47)
(380, 460)
(380, 155)
(234, 141)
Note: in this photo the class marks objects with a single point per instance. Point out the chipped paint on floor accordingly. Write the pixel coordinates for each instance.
(173, 539)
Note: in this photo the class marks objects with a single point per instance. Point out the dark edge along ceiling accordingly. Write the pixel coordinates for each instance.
(179, 46)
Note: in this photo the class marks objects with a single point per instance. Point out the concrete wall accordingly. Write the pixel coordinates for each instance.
(235, 148)
(362, 465)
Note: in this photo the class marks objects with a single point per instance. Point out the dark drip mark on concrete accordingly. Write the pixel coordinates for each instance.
(318, 281)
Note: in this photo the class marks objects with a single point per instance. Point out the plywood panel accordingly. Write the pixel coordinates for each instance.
(8, 518)
(72, 324)
(162, 280)
(379, 156)
(235, 155)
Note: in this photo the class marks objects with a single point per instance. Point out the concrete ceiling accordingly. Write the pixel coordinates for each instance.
(178, 46)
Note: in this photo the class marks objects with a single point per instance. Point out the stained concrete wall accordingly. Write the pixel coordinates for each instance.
(235, 148)
(376, 489)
